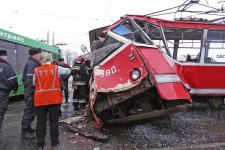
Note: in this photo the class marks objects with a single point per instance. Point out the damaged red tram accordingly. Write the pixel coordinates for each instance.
(146, 67)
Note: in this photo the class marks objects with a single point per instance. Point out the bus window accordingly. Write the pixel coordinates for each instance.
(22, 56)
(11, 50)
(216, 47)
(184, 44)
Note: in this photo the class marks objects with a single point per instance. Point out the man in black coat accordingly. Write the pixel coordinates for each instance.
(29, 112)
(8, 82)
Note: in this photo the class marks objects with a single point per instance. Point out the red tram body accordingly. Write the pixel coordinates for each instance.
(146, 67)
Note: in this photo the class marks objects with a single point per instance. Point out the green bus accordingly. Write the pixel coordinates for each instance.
(17, 47)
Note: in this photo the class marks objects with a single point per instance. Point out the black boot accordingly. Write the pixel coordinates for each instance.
(82, 105)
(31, 130)
(60, 113)
(26, 134)
(75, 106)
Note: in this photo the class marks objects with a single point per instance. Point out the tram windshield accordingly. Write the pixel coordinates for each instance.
(128, 30)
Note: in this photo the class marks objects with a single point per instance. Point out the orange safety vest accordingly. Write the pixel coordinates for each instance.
(47, 86)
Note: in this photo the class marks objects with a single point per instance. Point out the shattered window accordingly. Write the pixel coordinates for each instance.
(184, 44)
(109, 40)
(153, 32)
(129, 31)
(216, 47)
(108, 47)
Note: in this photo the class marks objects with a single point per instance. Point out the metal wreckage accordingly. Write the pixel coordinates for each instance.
(146, 67)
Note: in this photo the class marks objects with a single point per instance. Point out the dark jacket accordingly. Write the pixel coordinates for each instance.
(28, 71)
(80, 73)
(8, 79)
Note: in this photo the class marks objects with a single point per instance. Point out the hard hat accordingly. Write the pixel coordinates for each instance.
(80, 59)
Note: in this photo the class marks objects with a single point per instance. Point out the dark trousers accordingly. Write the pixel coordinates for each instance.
(80, 96)
(52, 112)
(29, 111)
(3, 105)
(75, 99)
(82, 90)
(65, 89)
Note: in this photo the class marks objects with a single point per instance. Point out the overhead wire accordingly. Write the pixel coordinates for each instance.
(61, 16)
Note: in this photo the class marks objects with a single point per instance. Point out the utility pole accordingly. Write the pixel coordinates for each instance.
(47, 37)
(53, 37)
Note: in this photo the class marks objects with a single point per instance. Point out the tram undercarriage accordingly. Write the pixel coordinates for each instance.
(139, 103)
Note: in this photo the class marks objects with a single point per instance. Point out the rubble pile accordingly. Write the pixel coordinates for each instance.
(82, 126)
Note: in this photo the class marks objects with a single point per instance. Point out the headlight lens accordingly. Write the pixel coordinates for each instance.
(135, 74)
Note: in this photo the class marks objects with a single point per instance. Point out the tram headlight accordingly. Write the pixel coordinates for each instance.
(135, 74)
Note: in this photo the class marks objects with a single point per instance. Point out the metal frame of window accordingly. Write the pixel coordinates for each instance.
(207, 47)
(200, 49)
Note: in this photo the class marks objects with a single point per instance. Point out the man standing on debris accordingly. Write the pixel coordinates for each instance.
(47, 100)
(8, 82)
(80, 76)
(29, 113)
(64, 79)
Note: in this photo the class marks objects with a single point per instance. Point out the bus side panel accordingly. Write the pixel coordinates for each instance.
(20, 90)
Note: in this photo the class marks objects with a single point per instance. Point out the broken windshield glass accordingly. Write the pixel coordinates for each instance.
(129, 31)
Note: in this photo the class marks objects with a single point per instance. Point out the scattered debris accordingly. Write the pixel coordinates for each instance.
(96, 148)
(81, 126)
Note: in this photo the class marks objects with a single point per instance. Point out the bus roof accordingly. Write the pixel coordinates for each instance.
(16, 38)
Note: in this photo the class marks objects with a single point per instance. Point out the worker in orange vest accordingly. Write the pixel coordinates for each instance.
(47, 100)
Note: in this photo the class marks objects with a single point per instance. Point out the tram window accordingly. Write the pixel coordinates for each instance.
(127, 30)
(215, 47)
(154, 33)
(184, 44)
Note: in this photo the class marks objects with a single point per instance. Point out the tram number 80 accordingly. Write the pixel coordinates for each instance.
(109, 71)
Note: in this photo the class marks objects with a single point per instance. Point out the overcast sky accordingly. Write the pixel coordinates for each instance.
(72, 19)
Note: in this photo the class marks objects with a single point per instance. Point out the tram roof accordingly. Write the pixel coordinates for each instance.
(16, 38)
(168, 23)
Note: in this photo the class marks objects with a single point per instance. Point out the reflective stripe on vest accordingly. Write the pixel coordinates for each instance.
(38, 76)
(47, 86)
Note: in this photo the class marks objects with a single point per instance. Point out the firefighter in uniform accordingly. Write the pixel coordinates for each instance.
(8, 82)
(33, 62)
(47, 100)
(80, 80)
(64, 79)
